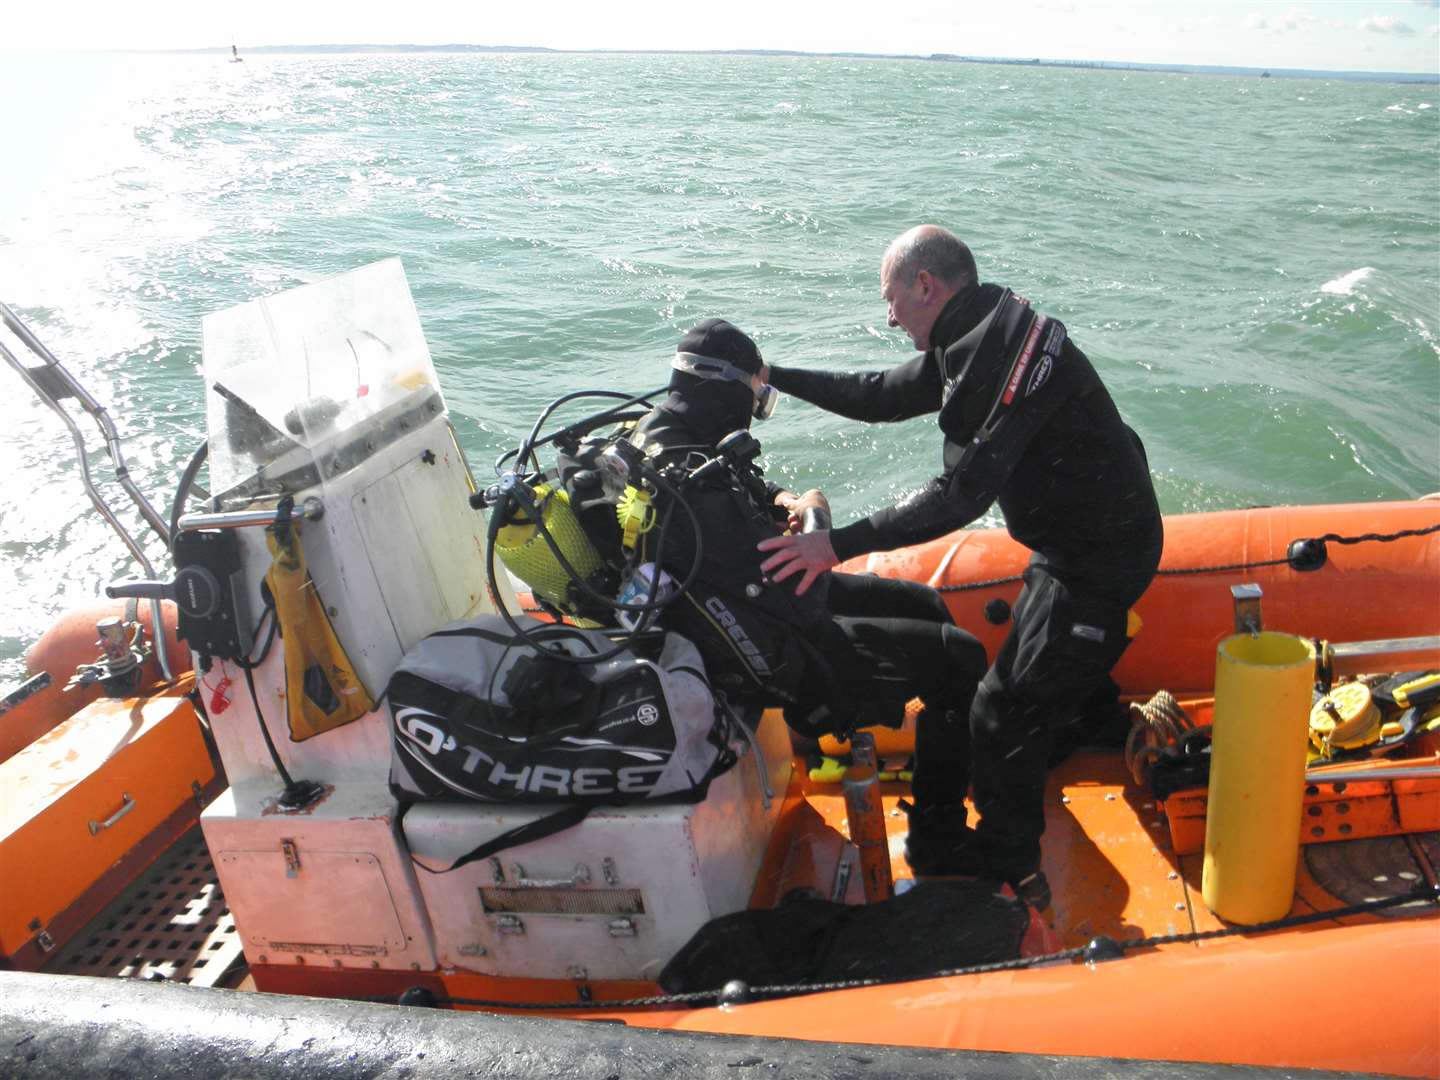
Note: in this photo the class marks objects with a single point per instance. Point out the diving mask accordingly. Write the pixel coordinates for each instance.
(709, 367)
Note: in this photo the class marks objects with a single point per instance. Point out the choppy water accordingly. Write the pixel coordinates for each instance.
(1254, 265)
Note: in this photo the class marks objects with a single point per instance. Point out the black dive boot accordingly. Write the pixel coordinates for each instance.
(939, 843)
(1024, 876)
(1033, 889)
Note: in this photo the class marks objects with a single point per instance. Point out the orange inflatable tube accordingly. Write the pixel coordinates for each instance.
(1365, 591)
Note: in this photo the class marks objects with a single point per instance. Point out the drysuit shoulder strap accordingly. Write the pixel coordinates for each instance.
(1011, 354)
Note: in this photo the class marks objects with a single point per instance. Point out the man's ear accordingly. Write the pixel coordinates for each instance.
(926, 285)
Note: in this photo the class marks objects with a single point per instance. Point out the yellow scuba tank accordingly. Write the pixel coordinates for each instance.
(322, 691)
(525, 553)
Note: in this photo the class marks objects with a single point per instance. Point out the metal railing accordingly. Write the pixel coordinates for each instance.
(52, 383)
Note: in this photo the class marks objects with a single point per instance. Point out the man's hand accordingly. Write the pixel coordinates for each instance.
(796, 505)
(809, 552)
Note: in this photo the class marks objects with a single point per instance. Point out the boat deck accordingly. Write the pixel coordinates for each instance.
(171, 923)
(1114, 872)
(1107, 853)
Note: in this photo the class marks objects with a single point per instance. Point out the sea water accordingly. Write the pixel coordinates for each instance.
(1252, 264)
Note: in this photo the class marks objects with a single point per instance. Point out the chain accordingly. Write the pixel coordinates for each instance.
(1424, 892)
(970, 586)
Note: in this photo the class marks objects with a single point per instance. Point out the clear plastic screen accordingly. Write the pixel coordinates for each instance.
(303, 386)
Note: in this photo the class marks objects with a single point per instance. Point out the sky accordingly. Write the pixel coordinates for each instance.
(1336, 35)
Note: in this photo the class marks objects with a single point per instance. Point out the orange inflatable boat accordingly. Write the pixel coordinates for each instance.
(1130, 963)
(1244, 856)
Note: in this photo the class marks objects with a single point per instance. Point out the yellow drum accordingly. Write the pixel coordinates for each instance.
(1257, 775)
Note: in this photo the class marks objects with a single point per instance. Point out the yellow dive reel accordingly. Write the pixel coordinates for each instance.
(1374, 714)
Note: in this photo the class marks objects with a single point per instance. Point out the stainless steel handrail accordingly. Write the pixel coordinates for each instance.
(91, 406)
(1386, 654)
(312, 509)
(107, 428)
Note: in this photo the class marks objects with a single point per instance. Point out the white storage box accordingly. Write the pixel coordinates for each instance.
(613, 897)
(329, 884)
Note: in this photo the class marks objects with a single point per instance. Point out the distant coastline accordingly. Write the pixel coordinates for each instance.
(1423, 78)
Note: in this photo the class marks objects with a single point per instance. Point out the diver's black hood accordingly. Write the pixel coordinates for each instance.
(712, 408)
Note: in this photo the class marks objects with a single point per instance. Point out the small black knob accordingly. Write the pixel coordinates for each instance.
(1099, 949)
(997, 611)
(735, 992)
(1305, 555)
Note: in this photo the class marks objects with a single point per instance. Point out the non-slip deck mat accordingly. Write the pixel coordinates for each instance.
(171, 923)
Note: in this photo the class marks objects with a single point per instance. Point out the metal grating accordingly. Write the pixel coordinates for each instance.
(171, 923)
(1354, 871)
(562, 901)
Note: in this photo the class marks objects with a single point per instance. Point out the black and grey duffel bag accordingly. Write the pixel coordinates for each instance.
(477, 714)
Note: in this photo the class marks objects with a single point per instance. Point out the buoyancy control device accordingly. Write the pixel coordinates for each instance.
(621, 532)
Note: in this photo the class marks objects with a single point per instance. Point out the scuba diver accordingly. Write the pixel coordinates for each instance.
(853, 649)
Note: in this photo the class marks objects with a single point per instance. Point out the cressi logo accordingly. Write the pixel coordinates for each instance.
(749, 651)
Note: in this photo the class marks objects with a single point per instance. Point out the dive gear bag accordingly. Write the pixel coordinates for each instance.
(477, 714)
(809, 940)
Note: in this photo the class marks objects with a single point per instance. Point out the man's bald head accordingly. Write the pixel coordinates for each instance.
(934, 249)
(922, 269)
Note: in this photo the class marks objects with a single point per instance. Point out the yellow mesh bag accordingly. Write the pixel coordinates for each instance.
(525, 553)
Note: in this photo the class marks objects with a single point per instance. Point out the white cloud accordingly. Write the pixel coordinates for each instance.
(1386, 24)
(1280, 24)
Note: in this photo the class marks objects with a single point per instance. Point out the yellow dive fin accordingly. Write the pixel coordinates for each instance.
(321, 689)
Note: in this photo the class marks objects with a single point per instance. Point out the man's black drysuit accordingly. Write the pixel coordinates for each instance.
(851, 650)
(1027, 423)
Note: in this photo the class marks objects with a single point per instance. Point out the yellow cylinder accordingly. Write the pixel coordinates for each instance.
(1257, 776)
(526, 554)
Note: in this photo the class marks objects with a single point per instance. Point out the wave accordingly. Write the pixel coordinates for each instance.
(1345, 284)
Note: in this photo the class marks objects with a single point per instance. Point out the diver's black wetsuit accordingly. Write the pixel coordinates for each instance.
(860, 646)
(1073, 484)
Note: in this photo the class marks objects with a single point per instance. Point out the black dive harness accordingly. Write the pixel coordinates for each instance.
(1029, 344)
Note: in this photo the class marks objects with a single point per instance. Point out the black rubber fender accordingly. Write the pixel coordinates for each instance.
(76, 1026)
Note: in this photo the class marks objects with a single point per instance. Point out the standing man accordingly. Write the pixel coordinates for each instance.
(1028, 424)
